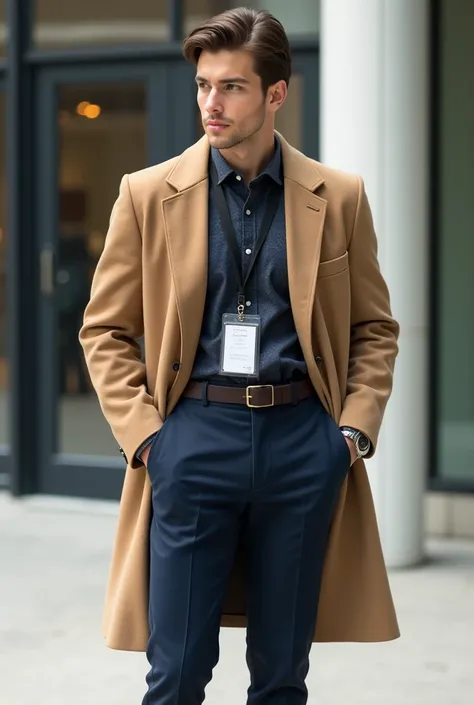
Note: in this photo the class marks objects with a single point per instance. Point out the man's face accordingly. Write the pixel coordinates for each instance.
(230, 98)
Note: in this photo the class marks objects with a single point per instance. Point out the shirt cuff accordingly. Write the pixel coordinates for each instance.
(144, 445)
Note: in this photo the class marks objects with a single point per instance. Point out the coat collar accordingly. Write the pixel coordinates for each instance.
(192, 166)
(273, 168)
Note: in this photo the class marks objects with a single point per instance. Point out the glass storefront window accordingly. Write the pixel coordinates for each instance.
(3, 27)
(60, 24)
(298, 17)
(102, 129)
(455, 275)
(4, 426)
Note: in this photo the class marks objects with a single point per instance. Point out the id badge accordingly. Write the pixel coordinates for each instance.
(240, 347)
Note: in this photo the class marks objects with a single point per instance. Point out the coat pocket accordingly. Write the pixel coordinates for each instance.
(333, 266)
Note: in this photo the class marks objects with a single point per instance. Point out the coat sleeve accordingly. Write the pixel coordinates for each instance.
(113, 323)
(374, 332)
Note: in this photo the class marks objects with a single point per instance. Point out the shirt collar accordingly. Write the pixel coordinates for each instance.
(273, 168)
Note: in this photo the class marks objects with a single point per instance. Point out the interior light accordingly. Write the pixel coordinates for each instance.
(92, 111)
(82, 107)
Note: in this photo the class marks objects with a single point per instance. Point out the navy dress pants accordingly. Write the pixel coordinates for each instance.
(222, 473)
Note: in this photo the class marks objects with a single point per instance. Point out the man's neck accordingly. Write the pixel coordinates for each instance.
(250, 159)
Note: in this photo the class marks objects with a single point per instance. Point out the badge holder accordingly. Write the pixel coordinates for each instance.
(240, 349)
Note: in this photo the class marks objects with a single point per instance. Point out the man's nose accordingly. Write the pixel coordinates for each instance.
(213, 104)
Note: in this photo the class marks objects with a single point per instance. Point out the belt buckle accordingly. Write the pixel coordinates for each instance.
(248, 396)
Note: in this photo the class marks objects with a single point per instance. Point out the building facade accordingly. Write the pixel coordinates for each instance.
(92, 90)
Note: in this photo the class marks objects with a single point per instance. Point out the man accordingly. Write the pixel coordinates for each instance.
(252, 272)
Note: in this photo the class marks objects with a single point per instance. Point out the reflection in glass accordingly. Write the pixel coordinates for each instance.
(63, 24)
(298, 17)
(197, 11)
(4, 425)
(102, 136)
(456, 258)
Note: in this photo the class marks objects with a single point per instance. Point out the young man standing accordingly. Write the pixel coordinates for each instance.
(252, 272)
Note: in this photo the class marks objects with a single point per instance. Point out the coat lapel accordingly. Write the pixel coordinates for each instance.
(305, 213)
(185, 215)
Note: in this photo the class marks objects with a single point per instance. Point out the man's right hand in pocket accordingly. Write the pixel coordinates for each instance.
(145, 454)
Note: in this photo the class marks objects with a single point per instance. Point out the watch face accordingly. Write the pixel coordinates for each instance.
(364, 444)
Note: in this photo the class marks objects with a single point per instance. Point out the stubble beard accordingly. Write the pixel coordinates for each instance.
(240, 137)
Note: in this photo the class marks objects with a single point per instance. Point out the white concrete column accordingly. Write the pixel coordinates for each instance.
(374, 113)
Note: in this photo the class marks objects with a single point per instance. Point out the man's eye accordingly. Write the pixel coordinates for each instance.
(202, 85)
(232, 87)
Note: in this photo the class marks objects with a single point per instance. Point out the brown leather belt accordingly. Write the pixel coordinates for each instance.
(256, 396)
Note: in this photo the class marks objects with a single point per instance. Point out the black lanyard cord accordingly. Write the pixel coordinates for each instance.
(230, 234)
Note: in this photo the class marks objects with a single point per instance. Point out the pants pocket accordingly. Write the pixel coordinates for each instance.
(156, 445)
(343, 451)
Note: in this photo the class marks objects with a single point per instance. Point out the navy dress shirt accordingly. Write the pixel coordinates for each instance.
(266, 293)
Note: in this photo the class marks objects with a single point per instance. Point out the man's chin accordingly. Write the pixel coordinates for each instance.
(218, 142)
(221, 141)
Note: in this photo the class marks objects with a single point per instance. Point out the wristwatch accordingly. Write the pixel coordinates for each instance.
(361, 442)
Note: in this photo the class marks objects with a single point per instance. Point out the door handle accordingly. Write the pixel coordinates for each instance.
(47, 271)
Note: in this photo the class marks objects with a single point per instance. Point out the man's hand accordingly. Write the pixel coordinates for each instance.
(352, 448)
(145, 454)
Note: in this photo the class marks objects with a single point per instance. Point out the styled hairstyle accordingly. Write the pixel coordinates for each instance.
(255, 31)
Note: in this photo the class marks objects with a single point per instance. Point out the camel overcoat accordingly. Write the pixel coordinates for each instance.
(151, 281)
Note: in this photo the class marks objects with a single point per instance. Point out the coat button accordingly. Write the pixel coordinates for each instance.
(176, 366)
(319, 360)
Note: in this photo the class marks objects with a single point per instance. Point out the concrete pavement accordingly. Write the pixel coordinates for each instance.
(54, 559)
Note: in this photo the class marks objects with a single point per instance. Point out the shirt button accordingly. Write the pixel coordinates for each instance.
(239, 178)
(249, 212)
(248, 251)
(248, 303)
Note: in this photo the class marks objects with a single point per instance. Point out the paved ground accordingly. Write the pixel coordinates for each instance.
(53, 562)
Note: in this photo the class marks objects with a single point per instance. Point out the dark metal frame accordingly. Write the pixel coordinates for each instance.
(61, 473)
(433, 405)
(30, 141)
(20, 260)
(5, 469)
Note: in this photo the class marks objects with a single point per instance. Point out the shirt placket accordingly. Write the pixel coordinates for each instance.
(249, 239)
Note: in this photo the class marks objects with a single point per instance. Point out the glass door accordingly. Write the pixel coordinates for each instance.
(94, 125)
(453, 285)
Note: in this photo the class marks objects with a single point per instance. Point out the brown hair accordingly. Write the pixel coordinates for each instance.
(255, 31)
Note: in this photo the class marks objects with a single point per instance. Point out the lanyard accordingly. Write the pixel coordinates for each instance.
(231, 237)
